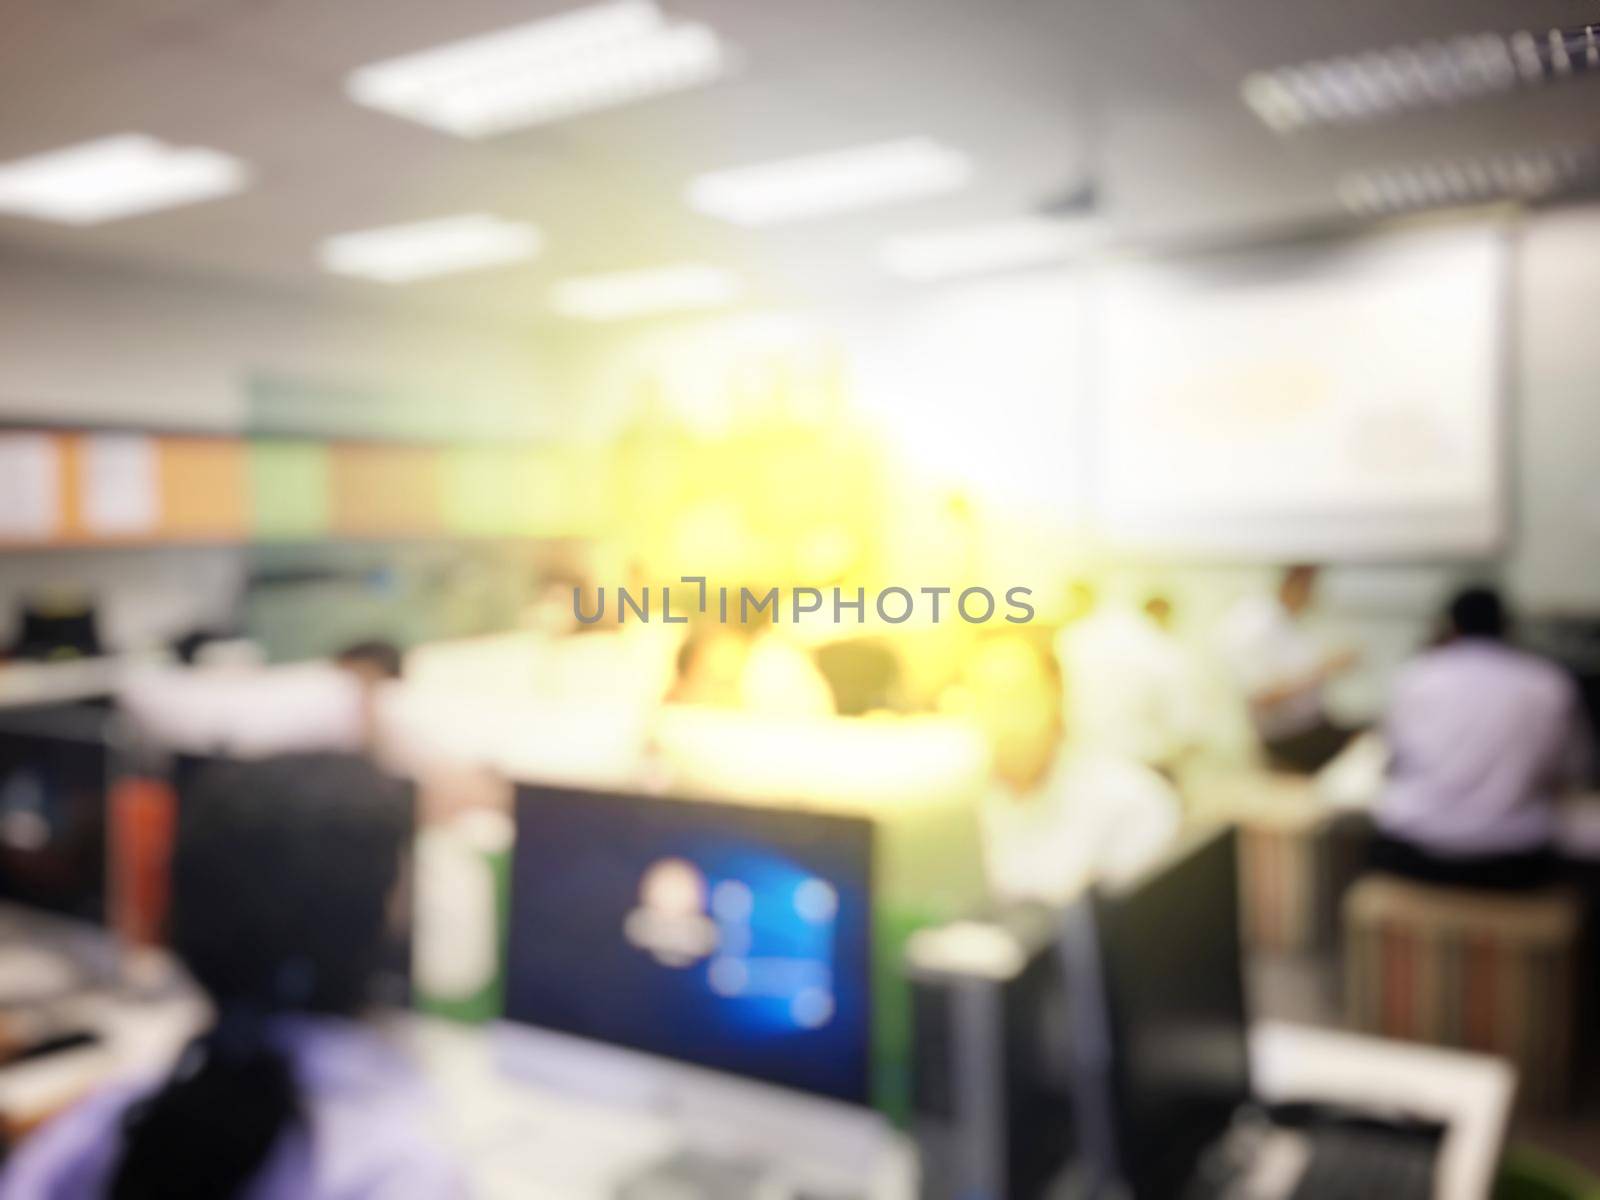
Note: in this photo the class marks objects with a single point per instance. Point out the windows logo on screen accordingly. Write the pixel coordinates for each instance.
(756, 931)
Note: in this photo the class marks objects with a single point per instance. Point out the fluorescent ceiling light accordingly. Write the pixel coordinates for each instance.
(403, 253)
(643, 293)
(115, 177)
(820, 184)
(1383, 82)
(547, 70)
(1525, 175)
(998, 246)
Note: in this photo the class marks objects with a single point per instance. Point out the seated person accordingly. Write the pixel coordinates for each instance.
(1056, 817)
(373, 662)
(749, 666)
(863, 674)
(1483, 738)
(710, 664)
(283, 876)
(1284, 670)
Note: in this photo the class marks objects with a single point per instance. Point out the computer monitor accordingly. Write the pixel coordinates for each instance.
(728, 937)
(918, 779)
(54, 771)
(56, 632)
(1156, 991)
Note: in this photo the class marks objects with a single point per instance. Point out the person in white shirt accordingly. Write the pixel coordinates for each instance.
(1284, 669)
(1483, 739)
(1132, 693)
(1056, 816)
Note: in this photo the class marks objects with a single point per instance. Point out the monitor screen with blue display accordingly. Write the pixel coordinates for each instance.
(730, 937)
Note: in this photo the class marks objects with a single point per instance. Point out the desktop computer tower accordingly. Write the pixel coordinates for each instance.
(991, 1109)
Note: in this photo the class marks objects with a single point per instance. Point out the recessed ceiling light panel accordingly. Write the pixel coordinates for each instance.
(424, 249)
(580, 61)
(114, 177)
(676, 288)
(1380, 83)
(1525, 175)
(823, 184)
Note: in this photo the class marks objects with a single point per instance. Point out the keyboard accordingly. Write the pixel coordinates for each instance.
(1358, 1164)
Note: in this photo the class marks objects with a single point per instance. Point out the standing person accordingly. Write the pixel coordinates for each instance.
(282, 883)
(1132, 693)
(1284, 669)
(1483, 739)
(1056, 816)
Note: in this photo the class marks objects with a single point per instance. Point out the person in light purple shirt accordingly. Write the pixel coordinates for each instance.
(1483, 738)
(282, 879)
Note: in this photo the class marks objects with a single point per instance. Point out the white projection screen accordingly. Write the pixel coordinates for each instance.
(1337, 400)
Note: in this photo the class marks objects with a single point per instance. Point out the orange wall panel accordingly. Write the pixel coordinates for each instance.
(69, 446)
(387, 491)
(204, 486)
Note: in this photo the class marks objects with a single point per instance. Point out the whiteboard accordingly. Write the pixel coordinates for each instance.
(1329, 400)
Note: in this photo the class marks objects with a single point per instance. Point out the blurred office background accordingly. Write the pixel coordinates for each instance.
(395, 326)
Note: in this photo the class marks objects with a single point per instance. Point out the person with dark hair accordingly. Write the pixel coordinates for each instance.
(374, 661)
(864, 674)
(282, 886)
(1483, 738)
(1478, 612)
(710, 664)
(1284, 670)
(372, 664)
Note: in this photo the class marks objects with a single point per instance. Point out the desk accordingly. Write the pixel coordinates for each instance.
(1297, 853)
(521, 1141)
(1471, 1093)
(515, 1139)
(30, 683)
(138, 1038)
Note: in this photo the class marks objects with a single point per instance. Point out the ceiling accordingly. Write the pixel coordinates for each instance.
(1139, 95)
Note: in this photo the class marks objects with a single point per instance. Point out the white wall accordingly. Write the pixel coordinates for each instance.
(79, 344)
(1555, 561)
